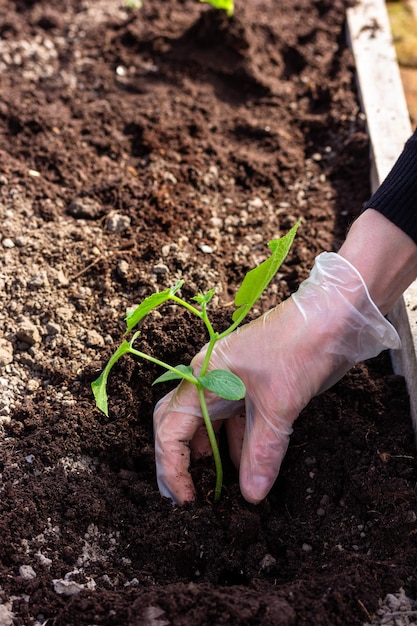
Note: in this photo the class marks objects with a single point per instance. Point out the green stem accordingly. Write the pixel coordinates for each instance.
(190, 378)
(213, 443)
(214, 336)
(186, 305)
(203, 316)
(208, 354)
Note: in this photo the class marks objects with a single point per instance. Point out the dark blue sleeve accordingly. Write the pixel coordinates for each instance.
(396, 198)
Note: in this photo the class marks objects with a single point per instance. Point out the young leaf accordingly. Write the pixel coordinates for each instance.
(99, 385)
(257, 279)
(134, 317)
(170, 375)
(227, 5)
(224, 383)
(204, 298)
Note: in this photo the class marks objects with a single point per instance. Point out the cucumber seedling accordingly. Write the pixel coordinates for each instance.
(227, 5)
(221, 382)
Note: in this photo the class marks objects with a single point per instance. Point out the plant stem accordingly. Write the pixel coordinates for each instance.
(213, 338)
(186, 305)
(190, 379)
(213, 443)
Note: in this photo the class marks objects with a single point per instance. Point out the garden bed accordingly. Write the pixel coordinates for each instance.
(138, 147)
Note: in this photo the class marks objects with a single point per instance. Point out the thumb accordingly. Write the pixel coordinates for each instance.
(264, 447)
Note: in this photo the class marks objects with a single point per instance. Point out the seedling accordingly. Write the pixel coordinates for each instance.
(133, 4)
(222, 382)
(227, 5)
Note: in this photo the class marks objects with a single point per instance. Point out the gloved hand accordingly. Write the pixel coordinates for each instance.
(292, 353)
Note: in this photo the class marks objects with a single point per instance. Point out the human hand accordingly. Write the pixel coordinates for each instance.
(287, 356)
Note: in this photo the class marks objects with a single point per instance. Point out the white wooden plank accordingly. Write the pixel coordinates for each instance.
(388, 121)
(380, 86)
(413, 6)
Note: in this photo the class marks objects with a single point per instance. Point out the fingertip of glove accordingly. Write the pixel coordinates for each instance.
(256, 488)
(187, 495)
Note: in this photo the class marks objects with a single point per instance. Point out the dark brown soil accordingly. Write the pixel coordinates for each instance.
(212, 135)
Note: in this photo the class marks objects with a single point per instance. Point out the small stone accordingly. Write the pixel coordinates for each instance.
(410, 517)
(52, 329)
(256, 203)
(7, 243)
(28, 332)
(27, 572)
(44, 560)
(132, 583)
(93, 339)
(6, 352)
(123, 268)
(267, 562)
(206, 249)
(310, 460)
(65, 313)
(306, 547)
(84, 208)
(160, 268)
(153, 615)
(67, 587)
(117, 223)
(32, 385)
(170, 178)
(21, 241)
(39, 280)
(59, 278)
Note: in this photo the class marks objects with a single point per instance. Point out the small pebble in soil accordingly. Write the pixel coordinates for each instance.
(122, 268)
(86, 208)
(6, 352)
(117, 223)
(27, 332)
(160, 268)
(267, 562)
(94, 339)
(206, 249)
(27, 572)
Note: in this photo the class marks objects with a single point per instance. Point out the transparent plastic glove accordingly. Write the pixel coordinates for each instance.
(287, 356)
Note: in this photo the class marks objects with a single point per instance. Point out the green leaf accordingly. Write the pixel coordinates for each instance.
(224, 383)
(256, 280)
(99, 385)
(227, 5)
(156, 299)
(204, 298)
(170, 375)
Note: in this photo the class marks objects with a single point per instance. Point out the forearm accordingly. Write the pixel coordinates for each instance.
(384, 255)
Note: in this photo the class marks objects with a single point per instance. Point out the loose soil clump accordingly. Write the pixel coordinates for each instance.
(138, 147)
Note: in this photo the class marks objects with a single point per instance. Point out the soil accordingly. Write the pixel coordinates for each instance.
(137, 147)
